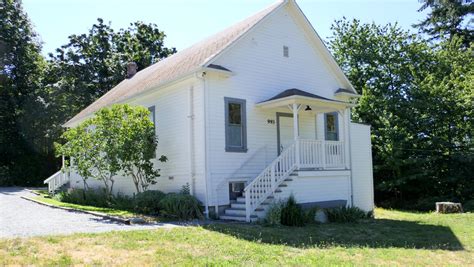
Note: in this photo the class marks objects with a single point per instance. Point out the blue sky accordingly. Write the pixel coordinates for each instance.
(188, 21)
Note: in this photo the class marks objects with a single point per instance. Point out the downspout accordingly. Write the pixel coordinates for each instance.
(206, 157)
(192, 166)
(350, 153)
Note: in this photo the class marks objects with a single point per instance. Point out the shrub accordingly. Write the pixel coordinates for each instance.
(468, 206)
(292, 214)
(273, 216)
(310, 214)
(344, 214)
(185, 189)
(148, 202)
(181, 207)
(91, 197)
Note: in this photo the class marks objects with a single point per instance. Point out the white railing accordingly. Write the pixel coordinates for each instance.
(334, 154)
(56, 180)
(269, 179)
(321, 154)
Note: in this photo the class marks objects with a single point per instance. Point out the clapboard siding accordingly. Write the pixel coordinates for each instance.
(362, 177)
(261, 72)
(172, 128)
(325, 186)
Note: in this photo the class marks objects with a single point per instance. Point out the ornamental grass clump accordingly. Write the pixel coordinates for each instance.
(346, 214)
(292, 214)
(181, 206)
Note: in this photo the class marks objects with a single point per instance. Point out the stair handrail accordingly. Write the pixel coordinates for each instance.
(56, 180)
(286, 163)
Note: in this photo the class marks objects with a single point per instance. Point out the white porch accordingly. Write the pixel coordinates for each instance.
(302, 153)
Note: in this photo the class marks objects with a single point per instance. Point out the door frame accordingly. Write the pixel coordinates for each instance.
(278, 115)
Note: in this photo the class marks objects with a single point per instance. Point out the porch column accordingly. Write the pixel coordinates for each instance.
(296, 132)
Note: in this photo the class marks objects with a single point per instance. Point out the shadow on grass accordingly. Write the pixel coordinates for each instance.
(377, 233)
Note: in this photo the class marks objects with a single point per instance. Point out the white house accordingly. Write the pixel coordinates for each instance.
(254, 113)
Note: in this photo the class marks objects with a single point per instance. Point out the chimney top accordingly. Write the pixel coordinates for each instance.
(131, 69)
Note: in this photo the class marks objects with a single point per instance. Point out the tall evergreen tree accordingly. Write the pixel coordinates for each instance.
(448, 18)
(21, 69)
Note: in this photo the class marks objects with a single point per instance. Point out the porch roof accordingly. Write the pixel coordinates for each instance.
(297, 96)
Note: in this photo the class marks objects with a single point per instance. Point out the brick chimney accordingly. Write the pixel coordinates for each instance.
(131, 69)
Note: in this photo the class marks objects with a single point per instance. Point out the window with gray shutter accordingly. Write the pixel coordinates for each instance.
(331, 126)
(235, 125)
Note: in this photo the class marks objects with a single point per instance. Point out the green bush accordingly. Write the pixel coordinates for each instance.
(344, 214)
(468, 206)
(310, 214)
(292, 214)
(91, 197)
(94, 197)
(148, 202)
(181, 207)
(273, 216)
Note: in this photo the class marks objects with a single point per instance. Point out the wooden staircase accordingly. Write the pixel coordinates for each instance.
(237, 211)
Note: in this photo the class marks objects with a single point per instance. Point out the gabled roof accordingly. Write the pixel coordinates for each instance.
(198, 57)
(176, 66)
(294, 91)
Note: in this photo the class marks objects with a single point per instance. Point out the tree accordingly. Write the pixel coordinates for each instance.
(90, 157)
(448, 18)
(119, 138)
(418, 99)
(23, 153)
(37, 96)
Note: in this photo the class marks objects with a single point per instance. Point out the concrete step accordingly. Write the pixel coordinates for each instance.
(237, 205)
(253, 218)
(235, 212)
(241, 199)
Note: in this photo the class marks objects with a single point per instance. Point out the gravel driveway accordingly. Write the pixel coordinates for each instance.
(23, 218)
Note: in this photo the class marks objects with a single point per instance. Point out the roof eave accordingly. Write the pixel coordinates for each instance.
(297, 99)
(348, 94)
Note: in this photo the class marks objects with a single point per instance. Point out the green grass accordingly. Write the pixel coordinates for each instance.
(45, 198)
(108, 211)
(393, 238)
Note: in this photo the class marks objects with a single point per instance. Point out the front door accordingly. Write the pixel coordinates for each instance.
(284, 131)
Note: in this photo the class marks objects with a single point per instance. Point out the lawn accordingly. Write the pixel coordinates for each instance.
(393, 238)
(45, 198)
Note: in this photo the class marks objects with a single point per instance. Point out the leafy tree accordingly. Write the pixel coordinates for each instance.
(37, 96)
(418, 100)
(134, 140)
(86, 146)
(448, 18)
(23, 153)
(120, 138)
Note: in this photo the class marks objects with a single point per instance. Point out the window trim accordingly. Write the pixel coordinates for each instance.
(336, 121)
(243, 116)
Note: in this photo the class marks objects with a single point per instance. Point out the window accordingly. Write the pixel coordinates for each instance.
(286, 51)
(235, 125)
(152, 113)
(331, 125)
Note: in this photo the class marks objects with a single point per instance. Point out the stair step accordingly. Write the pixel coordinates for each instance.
(253, 218)
(283, 185)
(278, 191)
(237, 205)
(235, 212)
(241, 199)
(288, 180)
